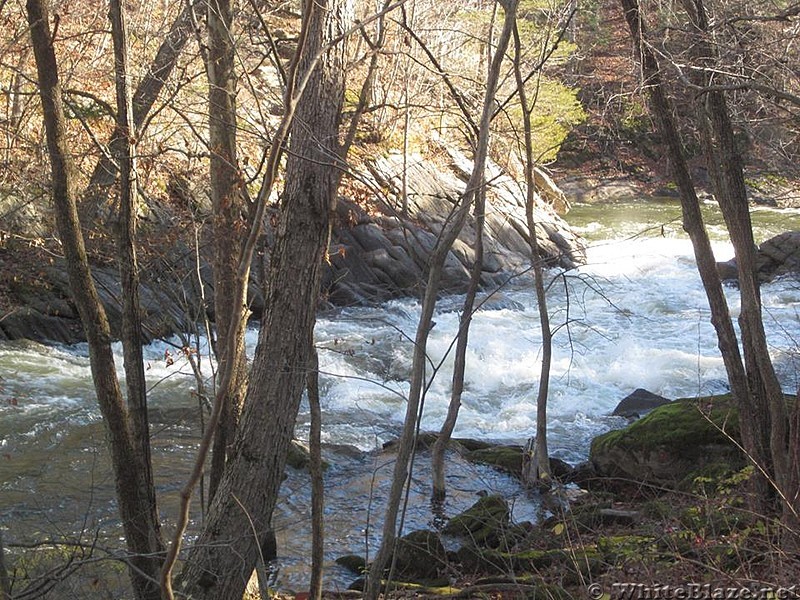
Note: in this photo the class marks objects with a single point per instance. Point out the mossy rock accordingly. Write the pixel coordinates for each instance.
(505, 458)
(420, 555)
(526, 586)
(508, 458)
(419, 590)
(471, 445)
(353, 563)
(483, 523)
(299, 457)
(580, 561)
(671, 442)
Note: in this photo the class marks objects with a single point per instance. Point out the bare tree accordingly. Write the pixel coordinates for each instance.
(229, 220)
(437, 258)
(460, 360)
(134, 498)
(144, 98)
(768, 437)
(221, 562)
(538, 468)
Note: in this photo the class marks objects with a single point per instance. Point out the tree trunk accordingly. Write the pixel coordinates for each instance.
(438, 255)
(132, 338)
(133, 499)
(460, 362)
(317, 481)
(222, 559)
(539, 474)
(662, 111)
(229, 209)
(767, 404)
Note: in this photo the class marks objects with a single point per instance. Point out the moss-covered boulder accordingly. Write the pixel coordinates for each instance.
(508, 458)
(299, 457)
(505, 458)
(672, 442)
(419, 556)
(483, 523)
(353, 563)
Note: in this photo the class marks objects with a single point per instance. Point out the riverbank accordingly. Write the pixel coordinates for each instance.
(691, 529)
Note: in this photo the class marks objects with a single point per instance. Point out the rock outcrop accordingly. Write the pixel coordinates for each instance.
(380, 250)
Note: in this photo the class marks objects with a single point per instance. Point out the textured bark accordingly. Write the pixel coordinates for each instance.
(229, 209)
(133, 499)
(438, 255)
(662, 111)
(222, 559)
(132, 338)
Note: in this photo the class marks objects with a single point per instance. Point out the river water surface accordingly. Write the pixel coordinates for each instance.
(634, 316)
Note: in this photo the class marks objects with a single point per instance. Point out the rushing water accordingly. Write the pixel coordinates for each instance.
(634, 316)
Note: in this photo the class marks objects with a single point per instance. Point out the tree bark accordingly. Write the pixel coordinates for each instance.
(132, 338)
(317, 481)
(229, 210)
(222, 559)
(768, 408)
(133, 499)
(438, 255)
(460, 360)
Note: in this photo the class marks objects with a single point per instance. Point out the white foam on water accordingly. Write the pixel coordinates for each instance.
(640, 318)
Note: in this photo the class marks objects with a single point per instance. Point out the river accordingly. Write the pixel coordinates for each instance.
(634, 316)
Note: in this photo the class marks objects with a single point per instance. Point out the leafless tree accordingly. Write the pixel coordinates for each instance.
(436, 262)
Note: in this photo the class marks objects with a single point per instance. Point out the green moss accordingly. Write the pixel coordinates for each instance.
(483, 522)
(683, 425)
(299, 457)
(622, 547)
(419, 556)
(507, 458)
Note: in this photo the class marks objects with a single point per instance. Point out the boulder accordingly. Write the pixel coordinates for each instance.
(508, 458)
(420, 555)
(778, 256)
(671, 443)
(353, 563)
(639, 403)
(483, 523)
